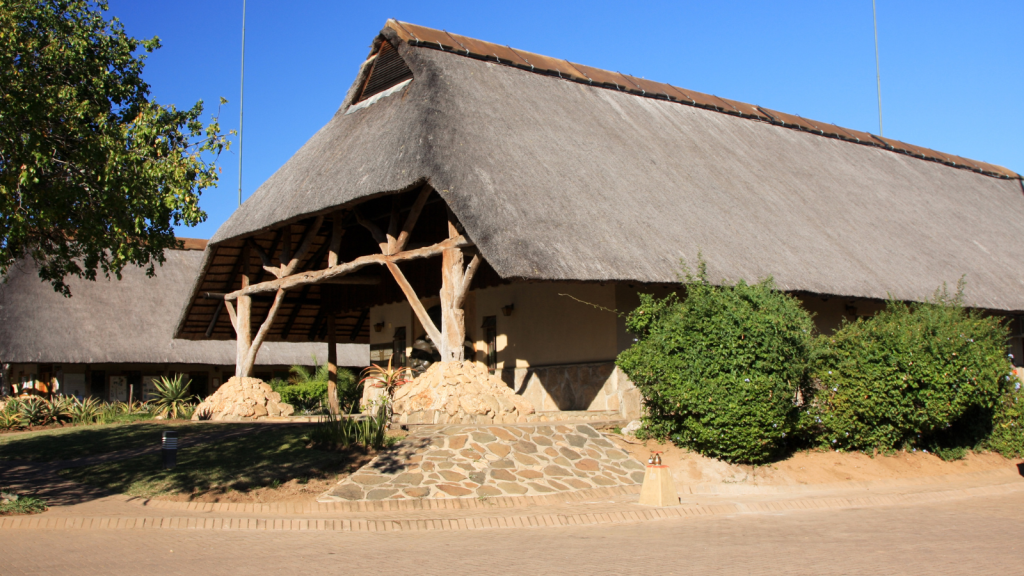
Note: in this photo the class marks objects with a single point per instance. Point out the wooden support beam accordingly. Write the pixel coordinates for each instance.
(268, 266)
(393, 226)
(375, 231)
(321, 276)
(455, 281)
(268, 258)
(213, 321)
(311, 232)
(467, 279)
(359, 324)
(231, 315)
(337, 231)
(410, 220)
(416, 304)
(332, 355)
(243, 320)
(254, 347)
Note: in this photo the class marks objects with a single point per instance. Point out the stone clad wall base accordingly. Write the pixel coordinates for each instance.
(599, 386)
(491, 461)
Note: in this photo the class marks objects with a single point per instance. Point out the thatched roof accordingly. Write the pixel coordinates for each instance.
(126, 321)
(563, 172)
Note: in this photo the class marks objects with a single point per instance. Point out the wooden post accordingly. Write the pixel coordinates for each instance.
(453, 319)
(327, 299)
(332, 366)
(243, 323)
(455, 281)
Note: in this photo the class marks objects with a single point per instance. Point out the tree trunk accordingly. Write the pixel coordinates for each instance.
(453, 319)
(332, 365)
(243, 329)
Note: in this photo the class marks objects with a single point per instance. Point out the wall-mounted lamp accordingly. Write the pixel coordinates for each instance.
(378, 326)
(507, 310)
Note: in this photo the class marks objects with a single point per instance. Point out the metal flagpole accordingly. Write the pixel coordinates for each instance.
(878, 70)
(242, 96)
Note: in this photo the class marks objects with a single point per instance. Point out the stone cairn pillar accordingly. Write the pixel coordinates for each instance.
(459, 392)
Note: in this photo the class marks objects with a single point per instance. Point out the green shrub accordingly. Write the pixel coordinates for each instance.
(925, 375)
(1007, 435)
(307, 391)
(719, 370)
(12, 504)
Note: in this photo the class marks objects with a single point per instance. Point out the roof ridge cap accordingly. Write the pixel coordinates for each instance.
(422, 36)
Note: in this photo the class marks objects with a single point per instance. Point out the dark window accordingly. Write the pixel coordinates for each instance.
(134, 385)
(200, 384)
(398, 346)
(98, 383)
(490, 327)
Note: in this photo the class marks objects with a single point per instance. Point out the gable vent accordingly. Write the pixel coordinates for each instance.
(388, 70)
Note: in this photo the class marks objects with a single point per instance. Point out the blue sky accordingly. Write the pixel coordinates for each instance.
(952, 72)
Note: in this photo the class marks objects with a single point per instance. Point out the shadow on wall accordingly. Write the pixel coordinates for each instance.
(591, 386)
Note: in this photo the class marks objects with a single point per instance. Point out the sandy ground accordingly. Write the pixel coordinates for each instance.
(811, 467)
(290, 491)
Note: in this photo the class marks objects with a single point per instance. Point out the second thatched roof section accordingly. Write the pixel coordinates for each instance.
(126, 321)
(556, 179)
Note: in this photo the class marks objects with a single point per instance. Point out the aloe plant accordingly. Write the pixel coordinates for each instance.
(31, 411)
(57, 410)
(172, 397)
(387, 378)
(85, 411)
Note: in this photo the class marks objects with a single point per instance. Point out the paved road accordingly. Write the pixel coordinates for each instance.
(983, 535)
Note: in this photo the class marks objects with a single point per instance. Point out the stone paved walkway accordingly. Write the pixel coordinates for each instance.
(981, 535)
(491, 461)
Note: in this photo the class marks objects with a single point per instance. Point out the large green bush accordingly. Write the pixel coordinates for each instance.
(719, 370)
(926, 375)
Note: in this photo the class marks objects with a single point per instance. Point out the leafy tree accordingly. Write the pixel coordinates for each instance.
(93, 172)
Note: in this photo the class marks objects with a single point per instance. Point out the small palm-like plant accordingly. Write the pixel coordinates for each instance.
(172, 397)
(387, 378)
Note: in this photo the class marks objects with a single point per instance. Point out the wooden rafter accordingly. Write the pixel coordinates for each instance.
(321, 276)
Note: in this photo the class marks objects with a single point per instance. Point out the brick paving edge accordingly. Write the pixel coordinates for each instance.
(391, 505)
(629, 514)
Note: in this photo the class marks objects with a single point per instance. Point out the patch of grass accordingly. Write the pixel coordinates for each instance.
(76, 441)
(267, 458)
(950, 454)
(23, 505)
